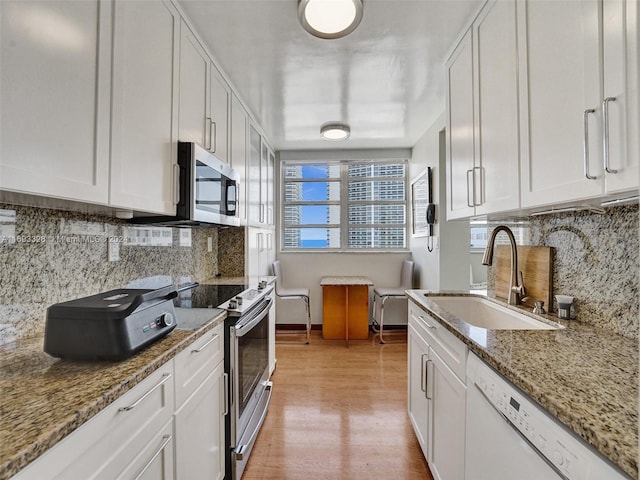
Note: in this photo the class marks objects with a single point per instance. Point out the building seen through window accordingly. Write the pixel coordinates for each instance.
(344, 205)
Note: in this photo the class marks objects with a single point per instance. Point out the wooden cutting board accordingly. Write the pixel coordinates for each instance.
(536, 264)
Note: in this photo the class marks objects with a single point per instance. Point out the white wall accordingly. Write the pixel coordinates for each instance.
(447, 266)
(307, 269)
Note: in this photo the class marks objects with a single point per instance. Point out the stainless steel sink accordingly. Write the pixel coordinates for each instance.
(484, 313)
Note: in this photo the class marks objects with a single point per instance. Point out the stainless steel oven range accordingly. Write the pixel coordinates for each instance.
(246, 363)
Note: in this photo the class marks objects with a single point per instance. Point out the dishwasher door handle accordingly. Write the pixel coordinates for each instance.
(522, 435)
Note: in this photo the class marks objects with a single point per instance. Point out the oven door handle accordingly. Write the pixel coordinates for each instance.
(251, 321)
(240, 451)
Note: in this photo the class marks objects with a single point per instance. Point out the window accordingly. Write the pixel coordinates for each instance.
(348, 205)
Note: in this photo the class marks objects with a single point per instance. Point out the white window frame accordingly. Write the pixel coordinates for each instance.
(344, 204)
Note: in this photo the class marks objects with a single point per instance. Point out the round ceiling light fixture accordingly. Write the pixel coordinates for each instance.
(330, 19)
(335, 131)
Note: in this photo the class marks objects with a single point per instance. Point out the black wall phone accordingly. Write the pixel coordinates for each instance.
(431, 210)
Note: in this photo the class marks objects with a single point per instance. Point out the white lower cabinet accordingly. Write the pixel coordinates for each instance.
(201, 391)
(170, 426)
(437, 394)
(448, 395)
(129, 438)
(199, 425)
(418, 352)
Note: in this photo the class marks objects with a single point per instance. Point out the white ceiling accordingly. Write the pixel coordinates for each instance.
(386, 79)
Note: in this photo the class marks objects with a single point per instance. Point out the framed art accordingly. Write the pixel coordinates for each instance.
(419, 202)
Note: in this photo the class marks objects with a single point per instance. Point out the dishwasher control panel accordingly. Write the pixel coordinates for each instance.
(563, 450)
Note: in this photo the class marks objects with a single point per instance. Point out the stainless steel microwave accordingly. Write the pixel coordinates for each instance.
(208, 191)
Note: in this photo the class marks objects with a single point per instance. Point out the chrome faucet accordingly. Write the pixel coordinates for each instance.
(516, 291)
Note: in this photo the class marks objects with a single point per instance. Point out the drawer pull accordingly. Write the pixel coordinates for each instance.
(167, 439)
(198, 350)
(165, 377)
(421, 317)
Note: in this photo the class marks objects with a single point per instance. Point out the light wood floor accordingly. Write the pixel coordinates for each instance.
(338, 413)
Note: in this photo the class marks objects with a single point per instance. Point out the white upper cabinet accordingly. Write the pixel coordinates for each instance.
(565, 83)
(145, 97)
(220, 109)
(55, 59)
(460, 130)
(193, 111)
(238, 151)
(482, 116)
(559, 75)
(620, 68)
(257, 179)
(496, 122)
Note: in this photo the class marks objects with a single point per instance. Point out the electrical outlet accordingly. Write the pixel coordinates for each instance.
(209, 244)
(113, 251)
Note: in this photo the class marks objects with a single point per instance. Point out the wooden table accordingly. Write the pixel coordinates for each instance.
(345, 308)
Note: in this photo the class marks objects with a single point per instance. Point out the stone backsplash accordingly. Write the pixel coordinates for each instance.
(231, 251)
(596, 261)
(49, 256)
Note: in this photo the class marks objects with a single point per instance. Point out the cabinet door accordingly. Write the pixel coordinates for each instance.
(238, 154)
(620, 57)
(270, 186)
(254, 207)
(448, 428)
(219, 126)
(144, 101)
(199, 426)
(559, 75)
(272, 333)
(253, 240)
(194, 68)
(55, 59)
(496, 108)
(155, 461)
(461, 189)
(418, 403)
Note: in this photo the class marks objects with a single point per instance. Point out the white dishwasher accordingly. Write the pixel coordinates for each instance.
(508, 437)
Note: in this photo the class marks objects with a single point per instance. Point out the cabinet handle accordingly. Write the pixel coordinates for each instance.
(270, 215)
(422, 374)
(474, 186)
(167, 439)
(176, 183)
(585, 120)
(605, 137)
(214, 135)
(469, 204)
(198, 350)
(432, 327)
(426, 392)
(225, 377)
(208, 147)
(165, 377)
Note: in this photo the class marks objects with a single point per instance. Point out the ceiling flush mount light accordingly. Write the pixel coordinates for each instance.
(330, 19)
(335, 131)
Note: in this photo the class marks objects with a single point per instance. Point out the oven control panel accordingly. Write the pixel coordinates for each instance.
(560, 448)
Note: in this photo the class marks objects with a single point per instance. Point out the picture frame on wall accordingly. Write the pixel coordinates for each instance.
(419, 202)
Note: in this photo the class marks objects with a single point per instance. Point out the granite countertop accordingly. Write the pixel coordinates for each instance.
(584, 376)
(345, 281)
(43, 399)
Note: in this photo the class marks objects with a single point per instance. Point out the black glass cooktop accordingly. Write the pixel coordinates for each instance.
(207, 296)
